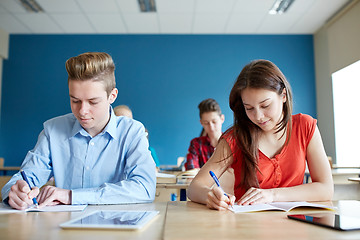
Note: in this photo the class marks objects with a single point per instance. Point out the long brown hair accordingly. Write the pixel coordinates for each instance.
(260, 74)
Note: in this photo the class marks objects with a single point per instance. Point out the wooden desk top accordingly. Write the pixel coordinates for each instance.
(173, 185)
(9, 168)
(345, 171)
(341, 171)
(354, 179)
(45, 225)
(188, 220)
(178, 220)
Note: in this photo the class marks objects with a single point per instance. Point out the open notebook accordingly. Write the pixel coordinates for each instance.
(57, 208)
(280, 206)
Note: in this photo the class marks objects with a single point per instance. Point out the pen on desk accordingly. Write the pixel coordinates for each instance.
(26, 180)
(217, 182)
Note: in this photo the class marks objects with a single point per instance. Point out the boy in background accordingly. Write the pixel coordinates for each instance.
(201, 148)
(123, 110)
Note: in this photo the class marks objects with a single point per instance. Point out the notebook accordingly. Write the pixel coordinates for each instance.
(279, 206)
(4, 208)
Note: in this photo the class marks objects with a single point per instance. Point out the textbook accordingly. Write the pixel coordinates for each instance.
(277, 206)
(56, 208)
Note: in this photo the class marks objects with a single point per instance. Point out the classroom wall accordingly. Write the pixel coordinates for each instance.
(161, 77)
(337, 45)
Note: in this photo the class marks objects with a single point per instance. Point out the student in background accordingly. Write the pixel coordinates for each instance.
(201, 148)
(123, 110)
(267, 147)
(153, 153)
(94, 156)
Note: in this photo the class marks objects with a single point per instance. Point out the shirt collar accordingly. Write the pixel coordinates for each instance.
(109, 128)
(77, 128)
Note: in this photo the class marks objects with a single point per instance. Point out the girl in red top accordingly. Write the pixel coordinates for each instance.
(267, 147)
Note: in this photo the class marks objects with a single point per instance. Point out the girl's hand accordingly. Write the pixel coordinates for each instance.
(257, 195)
(218, 200)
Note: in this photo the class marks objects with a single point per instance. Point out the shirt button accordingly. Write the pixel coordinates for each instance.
(87, 168)
(92, 143)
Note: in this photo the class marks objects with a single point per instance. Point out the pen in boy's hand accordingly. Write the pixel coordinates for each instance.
(212, 174)
(26, 180)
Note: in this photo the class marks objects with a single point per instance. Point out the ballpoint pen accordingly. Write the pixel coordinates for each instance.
(217, 182)
(26, 180)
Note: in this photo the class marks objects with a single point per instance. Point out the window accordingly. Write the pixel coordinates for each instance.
(346, 97)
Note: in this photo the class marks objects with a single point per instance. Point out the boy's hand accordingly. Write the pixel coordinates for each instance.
(51, 195)
(20, 195)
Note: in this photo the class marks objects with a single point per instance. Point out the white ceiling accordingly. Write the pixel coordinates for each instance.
(172, 17)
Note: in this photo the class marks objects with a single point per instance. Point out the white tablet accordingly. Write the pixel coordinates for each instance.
(110, 219)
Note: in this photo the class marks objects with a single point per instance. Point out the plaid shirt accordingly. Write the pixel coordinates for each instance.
(200, 151)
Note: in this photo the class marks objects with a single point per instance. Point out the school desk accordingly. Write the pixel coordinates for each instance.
(166, 185)
(354, 179)
(45, 225)
(182, 187)
(179, 220)
(340, 175)
(188, 220)
(4, 170)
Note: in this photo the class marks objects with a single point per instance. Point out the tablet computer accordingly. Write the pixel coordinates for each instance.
(330, 220)
(110, 219)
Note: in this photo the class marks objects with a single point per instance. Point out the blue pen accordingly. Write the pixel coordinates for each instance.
(26, 180)
(217, 182)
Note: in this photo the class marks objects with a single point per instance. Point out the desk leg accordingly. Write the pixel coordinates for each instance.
(183, 195)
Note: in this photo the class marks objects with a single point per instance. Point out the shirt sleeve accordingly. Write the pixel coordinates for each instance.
(138, 184)
(309, 125)
(192, 158)
(37, 166)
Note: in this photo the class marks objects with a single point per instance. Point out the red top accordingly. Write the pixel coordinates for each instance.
(285, 169)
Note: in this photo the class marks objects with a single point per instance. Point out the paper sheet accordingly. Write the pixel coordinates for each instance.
(57, 208)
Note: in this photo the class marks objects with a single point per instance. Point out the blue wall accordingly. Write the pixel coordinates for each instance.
(161, 77)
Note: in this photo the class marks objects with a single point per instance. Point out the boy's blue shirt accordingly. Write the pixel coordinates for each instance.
(114, 167)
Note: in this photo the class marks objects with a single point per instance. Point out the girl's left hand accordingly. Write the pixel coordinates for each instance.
(256, 195)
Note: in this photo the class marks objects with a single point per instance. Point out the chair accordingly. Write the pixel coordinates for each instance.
(2, 160)
(330, 161)
(3, 179)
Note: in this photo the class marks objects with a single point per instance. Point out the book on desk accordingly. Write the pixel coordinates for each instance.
(277, 206)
